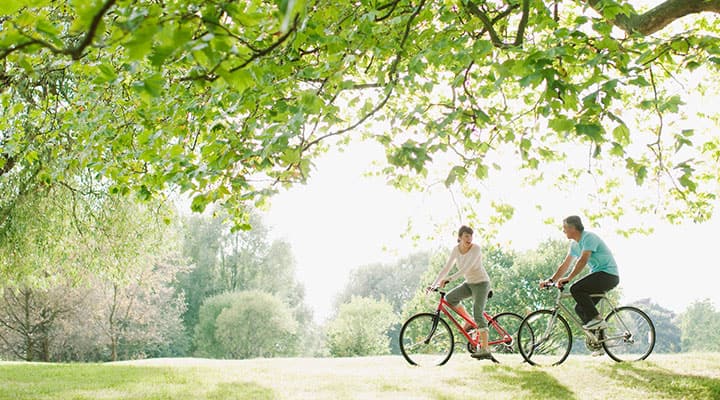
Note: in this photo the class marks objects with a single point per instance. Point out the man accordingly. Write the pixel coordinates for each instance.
(588, 249)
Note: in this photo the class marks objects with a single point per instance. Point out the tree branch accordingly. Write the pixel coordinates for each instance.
(488, 24)
(660, 16)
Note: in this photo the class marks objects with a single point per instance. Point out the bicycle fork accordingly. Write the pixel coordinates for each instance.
(548, 330)
(433, 328)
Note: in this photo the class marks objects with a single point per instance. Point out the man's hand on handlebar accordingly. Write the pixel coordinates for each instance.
(562, 282)
(549, 283)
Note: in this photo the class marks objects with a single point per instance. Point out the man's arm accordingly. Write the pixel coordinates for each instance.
(579, 265)
(560, 272)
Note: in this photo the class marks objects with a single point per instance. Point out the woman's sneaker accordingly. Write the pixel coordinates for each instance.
(482, 354)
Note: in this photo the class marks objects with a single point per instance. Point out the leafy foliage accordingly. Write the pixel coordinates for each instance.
(360, 328)
(246, 324)
(228, 101)
(88, 276)
(700, 324)
(224, 260)
(394, 283)
(667, 332)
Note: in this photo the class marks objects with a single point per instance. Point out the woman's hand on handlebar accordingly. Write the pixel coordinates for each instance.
(434, 288)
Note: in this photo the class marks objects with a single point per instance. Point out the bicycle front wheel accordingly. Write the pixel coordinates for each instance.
(544, 338)
(630, 335)
(503, 337)
(426, 339)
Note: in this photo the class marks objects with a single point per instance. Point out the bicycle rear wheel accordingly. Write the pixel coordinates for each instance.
(630, 335)
(544, 338)
(505, 347)
(426, 339)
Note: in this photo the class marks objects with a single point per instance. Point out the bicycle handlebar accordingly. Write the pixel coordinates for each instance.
(555, 285)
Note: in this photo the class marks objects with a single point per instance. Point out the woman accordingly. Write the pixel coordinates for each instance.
(477, 285)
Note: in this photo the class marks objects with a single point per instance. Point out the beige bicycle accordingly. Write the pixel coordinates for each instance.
(545, 338)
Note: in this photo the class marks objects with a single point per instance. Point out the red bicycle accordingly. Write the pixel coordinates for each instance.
(426, 338)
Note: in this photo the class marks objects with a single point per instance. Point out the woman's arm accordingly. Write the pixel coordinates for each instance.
(443, 273)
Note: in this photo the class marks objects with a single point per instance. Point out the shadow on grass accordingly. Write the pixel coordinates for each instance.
(664, 382)
(530, 384)
(535, 383)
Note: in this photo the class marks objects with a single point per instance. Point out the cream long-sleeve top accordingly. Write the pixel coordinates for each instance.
(468, 264)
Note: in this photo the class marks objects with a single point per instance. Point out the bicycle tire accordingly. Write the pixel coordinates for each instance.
(543, 342)
(422, 344)
(630, 335)
(510, 322)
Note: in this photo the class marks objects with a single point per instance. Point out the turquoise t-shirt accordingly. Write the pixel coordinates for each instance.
(601, 259)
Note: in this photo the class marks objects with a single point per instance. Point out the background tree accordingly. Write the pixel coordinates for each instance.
(83, 256)
(700, 325)
(360, 328)
(395, 283)
(201, 243)
(515, 276)
(245, 325)
(226, 260)
(667, 332)
(28, 319)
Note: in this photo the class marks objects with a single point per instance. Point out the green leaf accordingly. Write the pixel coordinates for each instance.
(239, 80)
(593, 131)
(290, 156)
(671, 104)
(621, 134)
(561, 124)
(8, 7)
(154, 85)
(107, 73)
(140, 43)
(680, 45)
(199, 203)
(455, 173)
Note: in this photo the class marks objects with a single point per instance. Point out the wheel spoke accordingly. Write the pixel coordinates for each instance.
(505, 348)
(420, 345)
(630, 335)
(544, 338)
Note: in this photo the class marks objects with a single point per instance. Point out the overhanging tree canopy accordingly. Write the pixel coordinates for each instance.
(229, 100)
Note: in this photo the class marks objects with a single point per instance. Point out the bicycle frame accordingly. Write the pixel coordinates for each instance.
(572, 317)
(444, 307)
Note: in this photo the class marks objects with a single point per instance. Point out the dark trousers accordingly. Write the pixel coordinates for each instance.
(595, 283)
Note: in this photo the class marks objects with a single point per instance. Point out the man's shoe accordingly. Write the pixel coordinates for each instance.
(598, 353)
(595, 324)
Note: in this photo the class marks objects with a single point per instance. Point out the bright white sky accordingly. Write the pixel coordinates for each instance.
(342, 219)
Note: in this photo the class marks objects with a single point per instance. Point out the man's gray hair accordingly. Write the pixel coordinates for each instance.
(575, 221)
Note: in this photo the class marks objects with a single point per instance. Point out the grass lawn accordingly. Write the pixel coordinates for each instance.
(684, 376)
